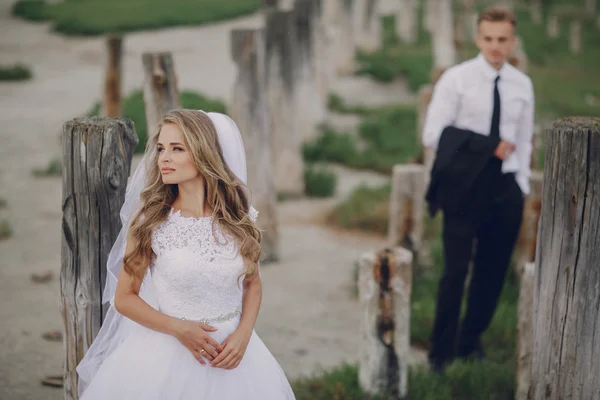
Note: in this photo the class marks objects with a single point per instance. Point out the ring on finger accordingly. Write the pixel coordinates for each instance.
(202, 351)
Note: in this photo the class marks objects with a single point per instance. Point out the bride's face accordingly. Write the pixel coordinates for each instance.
(174, 161)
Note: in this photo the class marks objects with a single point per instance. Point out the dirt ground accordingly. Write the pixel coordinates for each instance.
(309, 319)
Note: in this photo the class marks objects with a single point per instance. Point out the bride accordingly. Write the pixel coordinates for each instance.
(183, 276)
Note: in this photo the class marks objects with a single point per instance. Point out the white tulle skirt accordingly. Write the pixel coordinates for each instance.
(151, 365)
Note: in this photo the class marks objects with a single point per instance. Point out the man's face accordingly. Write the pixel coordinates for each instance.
(496, 41)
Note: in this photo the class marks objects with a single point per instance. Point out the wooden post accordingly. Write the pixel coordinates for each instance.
(97, 155)
(281, 59)
(406, 208)
(250, 110)
(518, 58)
(575, 37)
(536, 11)
(311, 103)
(527, 241)
(423, 100)
(566, 355)
(406, 20)
(444, 51)
(112, 79)
(525, 330)
(160, 87)
(343, 48)
(367, 25)
(384, 287)
(553, 29)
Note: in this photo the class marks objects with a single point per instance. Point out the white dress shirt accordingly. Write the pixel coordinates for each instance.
(464, 97)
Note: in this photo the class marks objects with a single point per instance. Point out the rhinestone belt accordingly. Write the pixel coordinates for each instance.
(220, 318)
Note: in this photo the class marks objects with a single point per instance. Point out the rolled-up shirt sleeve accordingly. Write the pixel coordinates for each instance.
(442, 109)
(524, 145)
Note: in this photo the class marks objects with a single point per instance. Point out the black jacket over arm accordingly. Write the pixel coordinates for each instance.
(460, 158)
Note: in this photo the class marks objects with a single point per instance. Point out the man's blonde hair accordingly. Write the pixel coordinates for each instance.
(497, 14)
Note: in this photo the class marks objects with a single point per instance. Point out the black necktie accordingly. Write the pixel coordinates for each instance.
(495, 129)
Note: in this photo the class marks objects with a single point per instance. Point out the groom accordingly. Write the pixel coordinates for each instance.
(480, 119)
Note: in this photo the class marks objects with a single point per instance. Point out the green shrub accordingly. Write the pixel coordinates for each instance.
(319, 182)
(96, 17)
(365, 209)
(336, 103)
(387, 136)
(134, 109)
(5, 230)
(16, 72)
(54, 168)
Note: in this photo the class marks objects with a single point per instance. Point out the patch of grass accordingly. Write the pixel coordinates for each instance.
(96, 17)
(366, 209)
(464, 381)
(54, 168)
(395, 59)
(5, 229)
(134, 109)
(336, 103)
(17, 72)
(319, 182)
(387, 136)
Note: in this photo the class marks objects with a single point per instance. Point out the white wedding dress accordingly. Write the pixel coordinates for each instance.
(196, 275)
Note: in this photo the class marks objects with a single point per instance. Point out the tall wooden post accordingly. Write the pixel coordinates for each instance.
(384, 286)
(97, 155)
(566, 354)
(112, 79)
(250, 110)
(160, 87)
(406, 208)
(282, 86)
(525, 330)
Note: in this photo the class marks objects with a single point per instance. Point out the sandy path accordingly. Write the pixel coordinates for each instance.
(308, 317)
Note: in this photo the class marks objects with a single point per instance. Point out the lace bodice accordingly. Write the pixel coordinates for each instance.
(197, 268)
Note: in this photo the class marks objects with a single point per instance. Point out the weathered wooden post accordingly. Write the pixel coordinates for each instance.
(553, 27)
(310, 100)
(343, 49)
(406, 20)
(525, 330)
(367, 25)
(575, 37)
(527, 241)
(160, 87)
(518, 58)
(444, 50)
(566, 355)
(536, 11)
(281, 58)
(97, 156)
(112, 78)
(250, 110)
(384, 287)
(406, 208)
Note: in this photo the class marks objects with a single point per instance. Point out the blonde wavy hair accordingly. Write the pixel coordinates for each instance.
(225, 194)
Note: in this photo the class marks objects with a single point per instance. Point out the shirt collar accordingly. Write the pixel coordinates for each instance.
(489, 71)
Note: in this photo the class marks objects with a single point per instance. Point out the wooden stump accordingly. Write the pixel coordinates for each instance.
(566, 355)
(112, 79)
(527, 241)
(282, 84)
(385, 282)
(160, 87)
(406, 208)
(525, 330)
(250, 110)
(97, 155)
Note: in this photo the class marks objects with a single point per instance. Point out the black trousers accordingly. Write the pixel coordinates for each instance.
(489, 224)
